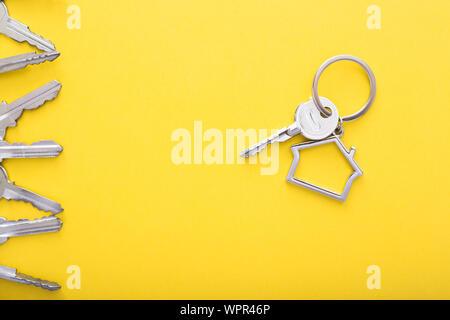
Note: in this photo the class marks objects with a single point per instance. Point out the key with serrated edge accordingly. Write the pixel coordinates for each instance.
(25, 227)
(22, 60)
(41, 149)
(10, 191)
(308, 122)
(11, 274)
(9, 113)
(21, 32)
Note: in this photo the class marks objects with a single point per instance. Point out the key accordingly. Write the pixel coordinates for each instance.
(9, 113)
(308, 121)
(11, 274)
(22, 60)
(10, 191)
(41, 149)
(24, 227)
(20, 32)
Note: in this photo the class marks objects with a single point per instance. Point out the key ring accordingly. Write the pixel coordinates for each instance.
(373, 86)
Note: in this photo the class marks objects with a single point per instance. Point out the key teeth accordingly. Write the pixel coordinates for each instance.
(51, 45)
(54, 211)
(23, 60)
(53, 93)
(252, 150)
(39, 98)
(46, 49)
(14, 113)
(44, 284)
(48, 98)
(42, 143)
(255, 149)
(39, 58)
(48, 46)
(279, 136)
(50, 217)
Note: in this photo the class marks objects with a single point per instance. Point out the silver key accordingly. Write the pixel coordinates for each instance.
(24, 227)
(10, 191)
(22, 60)
(41, 149)
(20, 32)
(9, 113)
(11, 274)
(308, 122)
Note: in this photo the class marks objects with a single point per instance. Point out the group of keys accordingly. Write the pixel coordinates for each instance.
(318, 120)
(9, 113)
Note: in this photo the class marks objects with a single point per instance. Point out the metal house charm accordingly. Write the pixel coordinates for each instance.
(357, 172)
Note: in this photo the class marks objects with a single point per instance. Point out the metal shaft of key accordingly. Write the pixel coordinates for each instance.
(41, 149)
(280, 136)
(9, 113)
(25, 227)
(21, 32)
(22, 60)
(10, 191)
(11, 274)
(33, 99)
(13, 192)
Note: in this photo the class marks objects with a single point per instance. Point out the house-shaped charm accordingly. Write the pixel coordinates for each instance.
(357, 172)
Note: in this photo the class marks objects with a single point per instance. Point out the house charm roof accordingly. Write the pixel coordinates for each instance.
(357, 172)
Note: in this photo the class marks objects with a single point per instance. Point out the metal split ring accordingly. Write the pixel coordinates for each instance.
(373, 86)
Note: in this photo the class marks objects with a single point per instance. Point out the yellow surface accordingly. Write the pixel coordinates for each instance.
(140, 226)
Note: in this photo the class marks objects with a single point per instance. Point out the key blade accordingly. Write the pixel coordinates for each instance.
(25, 227)
(11, 274)
(35, 98)
(9, 113)
(10, 191)
(22, 33)
(22, 60)
(280, 136)
(44, 284)
(13, 192)
(41, 149)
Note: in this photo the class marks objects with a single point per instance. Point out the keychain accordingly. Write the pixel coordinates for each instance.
(318, 120)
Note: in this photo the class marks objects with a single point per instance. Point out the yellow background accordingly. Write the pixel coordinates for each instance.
(140, 227)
